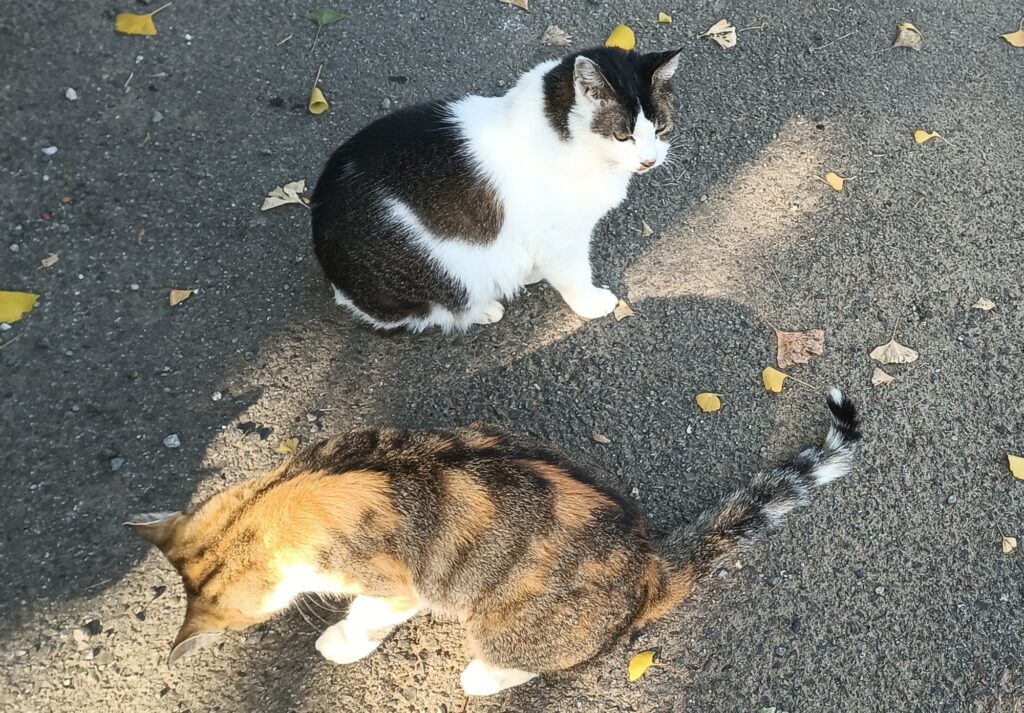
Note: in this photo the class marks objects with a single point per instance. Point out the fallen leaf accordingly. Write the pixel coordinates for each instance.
(324, 16)
(178, 296)
(128, 23)
(639, 664)
(66, 200)
(1015, 38)
(920, 136)
(799, 347)
(622, 37)
(1009, 545)
(13, 305)
(521, 4)
(622, 310)
(1016, 462)
(984, 304)
(835, 181)
(880, 378)
(664, 18)
(708, 403)
(288, 193)
(602, 439)
(723, 33)
(317, 102)
(772, 379)
(892, 352)
(556, 37)
(646, 229)
(50, 260)
(288, 445)
(909, 37)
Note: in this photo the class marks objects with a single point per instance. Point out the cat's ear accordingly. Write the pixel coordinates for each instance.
(589, 81)
(662, 65)
(155, 527)
(194, 634)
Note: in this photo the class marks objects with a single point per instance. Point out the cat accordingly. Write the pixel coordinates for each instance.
(434, 214)
(544, 565)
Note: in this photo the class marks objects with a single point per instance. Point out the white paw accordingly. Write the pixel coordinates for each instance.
(534, 277)
(334, 645)
(479, 679)
(593, 303)
(490, 314)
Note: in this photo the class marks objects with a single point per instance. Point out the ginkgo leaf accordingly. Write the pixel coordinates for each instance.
(324, 16)
(646, 229)
(178, 296)
(664, 18)
(602, 439)
(521, 4)
(835, 181)
(708, 403)
(920, 136)
(13, 305)
(772, 379)
(984, 304)
(892, 352)
(556, 37)
(1009, 545)
(723, 33)
(622, 37)
(288, 193)
(50, 260)
(622, 310)
(880, 378)
(317, 101)
(128, 23)
(1016, 464)
(1015, 38)
(799, 347)
(909, 37)
(288, 445)
(639, 664)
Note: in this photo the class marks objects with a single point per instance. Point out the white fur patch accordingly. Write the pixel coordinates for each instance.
(300, 579)
(482, 679)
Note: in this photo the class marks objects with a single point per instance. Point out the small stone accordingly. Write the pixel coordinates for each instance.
(158, 590)
(385, 103)
(116, 463)
(70, 94)
(188, 37)
(216, 396)
(91, 628)
(859, 573)
(49, 150)
(1004, 597)
(951, 500)
(780, 651)
(172, 441)
(795, 626)
(140, 615)
(879, 591)
(15, 247)
(249, 356)
(4, 327)
(157, 116)
(134, 287)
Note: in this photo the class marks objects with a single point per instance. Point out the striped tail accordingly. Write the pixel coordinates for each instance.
(747, 515)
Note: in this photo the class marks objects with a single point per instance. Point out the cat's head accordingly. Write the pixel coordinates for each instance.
(621, 104)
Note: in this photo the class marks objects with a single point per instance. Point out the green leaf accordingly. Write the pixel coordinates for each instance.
(324, 16)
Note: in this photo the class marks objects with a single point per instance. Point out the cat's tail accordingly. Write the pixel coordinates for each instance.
(747, 515)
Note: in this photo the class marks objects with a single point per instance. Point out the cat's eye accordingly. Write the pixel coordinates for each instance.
(620, 136)
(662, 129)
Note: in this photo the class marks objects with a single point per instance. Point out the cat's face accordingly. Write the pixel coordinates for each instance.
(623, 108)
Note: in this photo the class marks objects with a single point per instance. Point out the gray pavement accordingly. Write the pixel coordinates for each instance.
(889, 594)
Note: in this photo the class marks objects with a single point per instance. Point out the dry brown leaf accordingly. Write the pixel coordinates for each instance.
(50, 260)
(602, 439)
(622, 310)
(521, 4)
(646, 229)
(880, 378)
(556, 37)
(799, 347)
(1015, 38)
(178, 296)
(1009, 545)
(283, 195)
(288, 445)
(909, 37)
(984, 304)
(892, 352)
(723, 33)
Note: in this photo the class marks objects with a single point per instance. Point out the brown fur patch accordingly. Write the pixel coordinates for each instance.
(665, 588)
(574, 502)
(475, 506)
(606, 569)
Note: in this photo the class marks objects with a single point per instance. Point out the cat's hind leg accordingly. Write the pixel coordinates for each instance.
(489, 313)
(482, 679)
(369, 621)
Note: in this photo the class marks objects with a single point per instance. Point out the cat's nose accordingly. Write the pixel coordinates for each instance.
(647, 164)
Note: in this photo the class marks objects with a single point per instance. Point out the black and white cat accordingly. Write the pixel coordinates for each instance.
(432, 215)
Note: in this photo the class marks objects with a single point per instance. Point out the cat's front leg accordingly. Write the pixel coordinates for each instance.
(569, 272)
(369, 621)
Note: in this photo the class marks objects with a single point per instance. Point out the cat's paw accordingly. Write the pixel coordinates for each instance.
(490, 314)
(593, 303)
(480, 679)
(335, 645)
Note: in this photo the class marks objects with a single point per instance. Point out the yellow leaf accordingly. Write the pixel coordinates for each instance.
(772, 379)
(1016, 465)
(1009, 545)
(521, 4)
(892, 352)
(984, 304)
(1015, 38)
(880, 378)
(909, 37)
(647, 230)
(288, 445)
(179, 296)
(708, 403)
(835, 181)
(622, 310)
(664, 18)
(723, 33)
(15, 304)
(317, 102)
(621, 37)
(920, 136)
(128, 23)
(639, 664)
(50, 260)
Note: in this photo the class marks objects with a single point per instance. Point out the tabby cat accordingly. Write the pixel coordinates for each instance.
(543, 565)
(432, 215)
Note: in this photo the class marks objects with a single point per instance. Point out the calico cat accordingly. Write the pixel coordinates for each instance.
(544, 565)
(432, 215)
